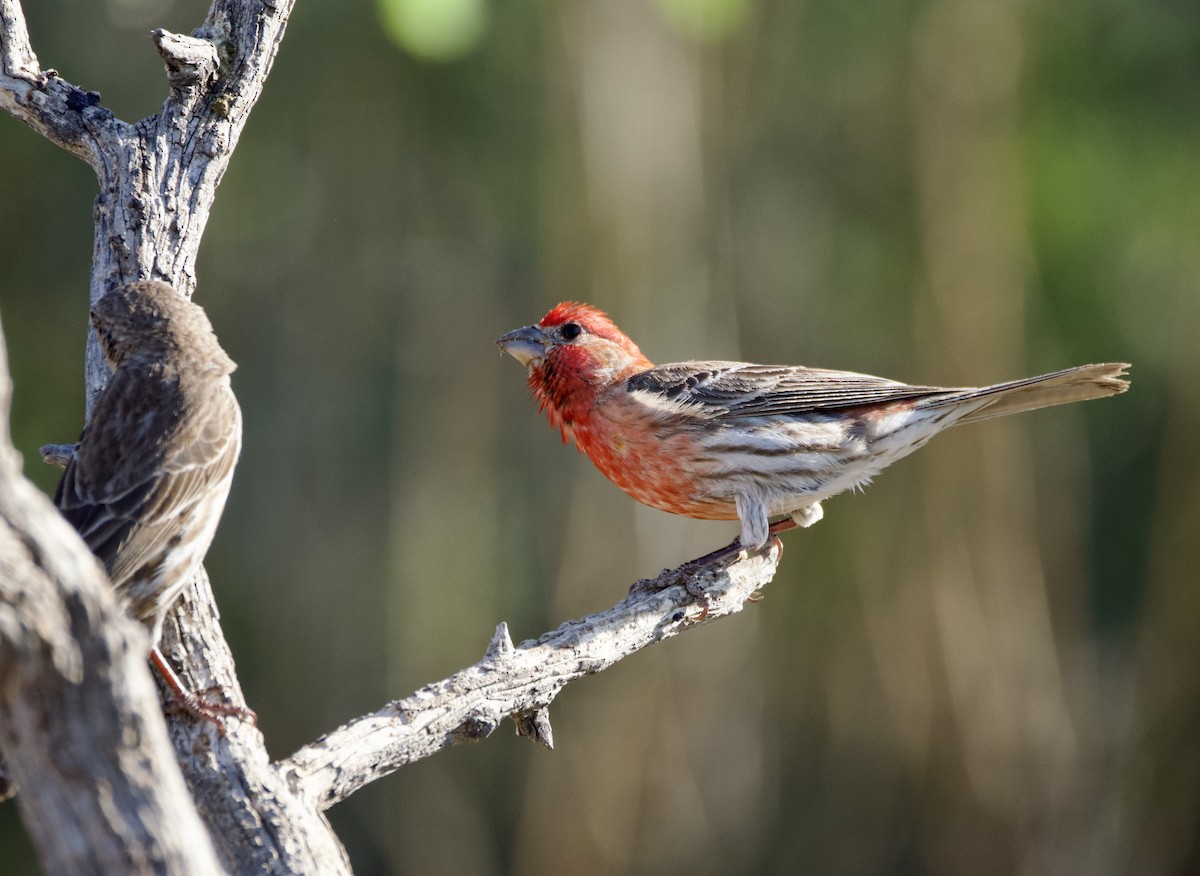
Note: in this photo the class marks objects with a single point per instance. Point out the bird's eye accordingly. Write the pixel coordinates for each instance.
(570, 331)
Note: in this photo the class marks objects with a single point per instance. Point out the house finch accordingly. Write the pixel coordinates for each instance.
(732, 440)
(147, 482)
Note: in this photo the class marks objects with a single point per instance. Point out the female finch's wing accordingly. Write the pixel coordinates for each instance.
(740, 389)
(126, 497)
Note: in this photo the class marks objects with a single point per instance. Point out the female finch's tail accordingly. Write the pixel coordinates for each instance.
(1074, 384)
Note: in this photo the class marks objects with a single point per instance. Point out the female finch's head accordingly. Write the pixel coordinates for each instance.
(149, 318)
(573, 352)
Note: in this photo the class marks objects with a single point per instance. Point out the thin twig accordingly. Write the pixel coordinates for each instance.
(64, 114)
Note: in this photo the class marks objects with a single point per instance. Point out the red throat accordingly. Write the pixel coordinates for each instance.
(568, 383)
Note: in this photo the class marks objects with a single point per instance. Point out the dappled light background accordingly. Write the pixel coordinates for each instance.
(988, 663)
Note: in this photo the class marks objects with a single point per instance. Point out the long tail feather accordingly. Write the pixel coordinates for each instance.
(1074, 384)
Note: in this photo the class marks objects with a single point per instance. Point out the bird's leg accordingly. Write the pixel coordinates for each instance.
(735, 547)
(194, 703)
(757, 595)
(689, 573)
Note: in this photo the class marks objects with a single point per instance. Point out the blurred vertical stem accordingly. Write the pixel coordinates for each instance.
(1018, 745)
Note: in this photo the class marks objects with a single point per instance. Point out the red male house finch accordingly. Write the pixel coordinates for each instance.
(147, 482)
(726, 440)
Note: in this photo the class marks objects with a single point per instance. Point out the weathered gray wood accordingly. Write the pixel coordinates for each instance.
(517, 682)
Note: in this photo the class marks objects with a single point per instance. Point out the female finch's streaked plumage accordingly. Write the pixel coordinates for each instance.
(726, 440)
(148, 480)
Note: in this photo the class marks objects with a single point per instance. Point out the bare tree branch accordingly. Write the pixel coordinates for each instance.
(258, 823)
(191, 62)
(64, 114)
(514, 682)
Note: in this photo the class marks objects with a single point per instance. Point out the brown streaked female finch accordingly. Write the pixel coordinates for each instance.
(732, 440)
(147, 482)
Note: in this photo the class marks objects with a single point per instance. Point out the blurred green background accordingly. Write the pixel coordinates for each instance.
(987, 664)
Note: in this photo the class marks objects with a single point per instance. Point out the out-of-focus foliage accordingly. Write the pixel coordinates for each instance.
(438, 30)
(705, 19)
(986, 664)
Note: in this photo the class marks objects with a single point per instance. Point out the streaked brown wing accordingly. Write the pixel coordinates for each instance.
(125, 494)
(741, 389)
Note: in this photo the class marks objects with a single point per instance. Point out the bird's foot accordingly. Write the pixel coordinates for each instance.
(758, 595)
(209, 705)
(734, 551)
(696, 590)
(203, 705)
(688, 576)
(691, 575)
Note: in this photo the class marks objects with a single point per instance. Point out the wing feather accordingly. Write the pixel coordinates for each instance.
(127, 514)
(740, 389)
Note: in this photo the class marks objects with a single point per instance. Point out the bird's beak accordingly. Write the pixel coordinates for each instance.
(526, 345)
